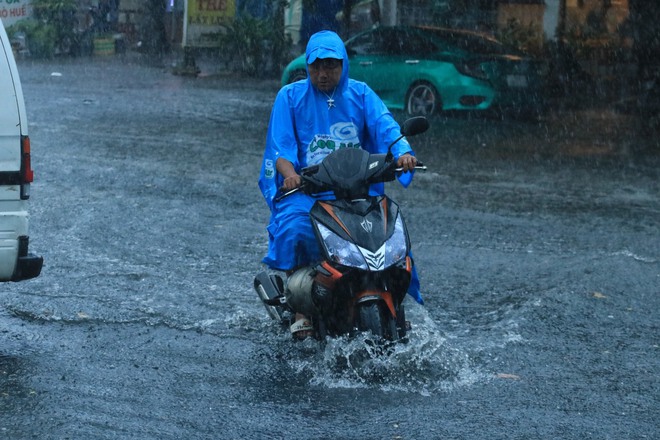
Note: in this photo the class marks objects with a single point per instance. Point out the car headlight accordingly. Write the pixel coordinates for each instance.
(341, 251)
(472, 68)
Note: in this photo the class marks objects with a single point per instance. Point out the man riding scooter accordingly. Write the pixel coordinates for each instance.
(310, 119)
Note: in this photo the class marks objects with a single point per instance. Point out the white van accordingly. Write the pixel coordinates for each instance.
(16, 263)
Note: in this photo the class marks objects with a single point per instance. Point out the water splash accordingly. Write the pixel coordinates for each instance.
(627, 253)
(427, 364)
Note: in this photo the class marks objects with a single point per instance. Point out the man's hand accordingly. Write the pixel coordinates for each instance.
(291, 179)
(407, 162)
(291, 182)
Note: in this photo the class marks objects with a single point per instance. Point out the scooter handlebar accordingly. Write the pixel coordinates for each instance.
(283, 194)
(419, 166)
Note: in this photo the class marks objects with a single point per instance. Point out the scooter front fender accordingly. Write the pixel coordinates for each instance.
(377, 295)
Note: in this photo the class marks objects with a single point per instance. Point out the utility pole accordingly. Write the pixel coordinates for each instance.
(388, 12)
(561, 28)
(346, 19)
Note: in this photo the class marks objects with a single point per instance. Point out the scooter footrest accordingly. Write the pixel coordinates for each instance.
(277, 301)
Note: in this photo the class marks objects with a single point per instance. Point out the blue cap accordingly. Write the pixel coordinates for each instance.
(323, 52)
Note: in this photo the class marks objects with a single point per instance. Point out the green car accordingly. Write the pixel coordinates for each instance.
(423, 70)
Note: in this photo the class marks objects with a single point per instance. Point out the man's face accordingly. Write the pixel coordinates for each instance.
(325, 73)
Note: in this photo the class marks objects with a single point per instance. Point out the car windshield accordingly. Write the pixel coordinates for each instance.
(390, 41)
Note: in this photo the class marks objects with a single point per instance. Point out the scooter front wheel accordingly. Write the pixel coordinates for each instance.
(372, 320)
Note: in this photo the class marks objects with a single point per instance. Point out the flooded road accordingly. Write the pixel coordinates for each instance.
(537, 246)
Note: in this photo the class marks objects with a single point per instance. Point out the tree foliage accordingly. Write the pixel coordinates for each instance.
(52, 28)
(256, 46)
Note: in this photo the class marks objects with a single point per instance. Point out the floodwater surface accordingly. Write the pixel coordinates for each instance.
(536, 243)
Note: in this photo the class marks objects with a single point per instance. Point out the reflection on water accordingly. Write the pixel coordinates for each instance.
(15, 370)
(10, 378)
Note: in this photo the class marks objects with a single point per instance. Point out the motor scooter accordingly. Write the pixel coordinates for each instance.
(364, 275)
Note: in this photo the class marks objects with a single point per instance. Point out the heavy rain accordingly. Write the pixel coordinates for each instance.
(536, 241)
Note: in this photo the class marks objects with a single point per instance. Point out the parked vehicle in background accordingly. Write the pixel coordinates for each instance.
(16, 263)
(423, 70)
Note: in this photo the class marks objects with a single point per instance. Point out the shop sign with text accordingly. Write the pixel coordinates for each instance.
(204, 19)
(12, 11)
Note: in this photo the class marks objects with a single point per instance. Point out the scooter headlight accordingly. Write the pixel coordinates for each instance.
(396, 247)
(341, 251)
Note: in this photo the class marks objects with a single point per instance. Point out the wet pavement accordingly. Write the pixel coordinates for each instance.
(536, 242)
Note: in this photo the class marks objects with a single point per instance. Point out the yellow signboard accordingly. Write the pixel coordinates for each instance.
(204, 19)
(210, 12)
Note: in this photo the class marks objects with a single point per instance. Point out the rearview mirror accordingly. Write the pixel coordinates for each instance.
(414, 126)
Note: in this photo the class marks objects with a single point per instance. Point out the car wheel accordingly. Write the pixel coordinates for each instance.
(297, 75)
(422, 99)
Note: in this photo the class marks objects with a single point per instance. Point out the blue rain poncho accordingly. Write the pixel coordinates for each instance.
(305, 126)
